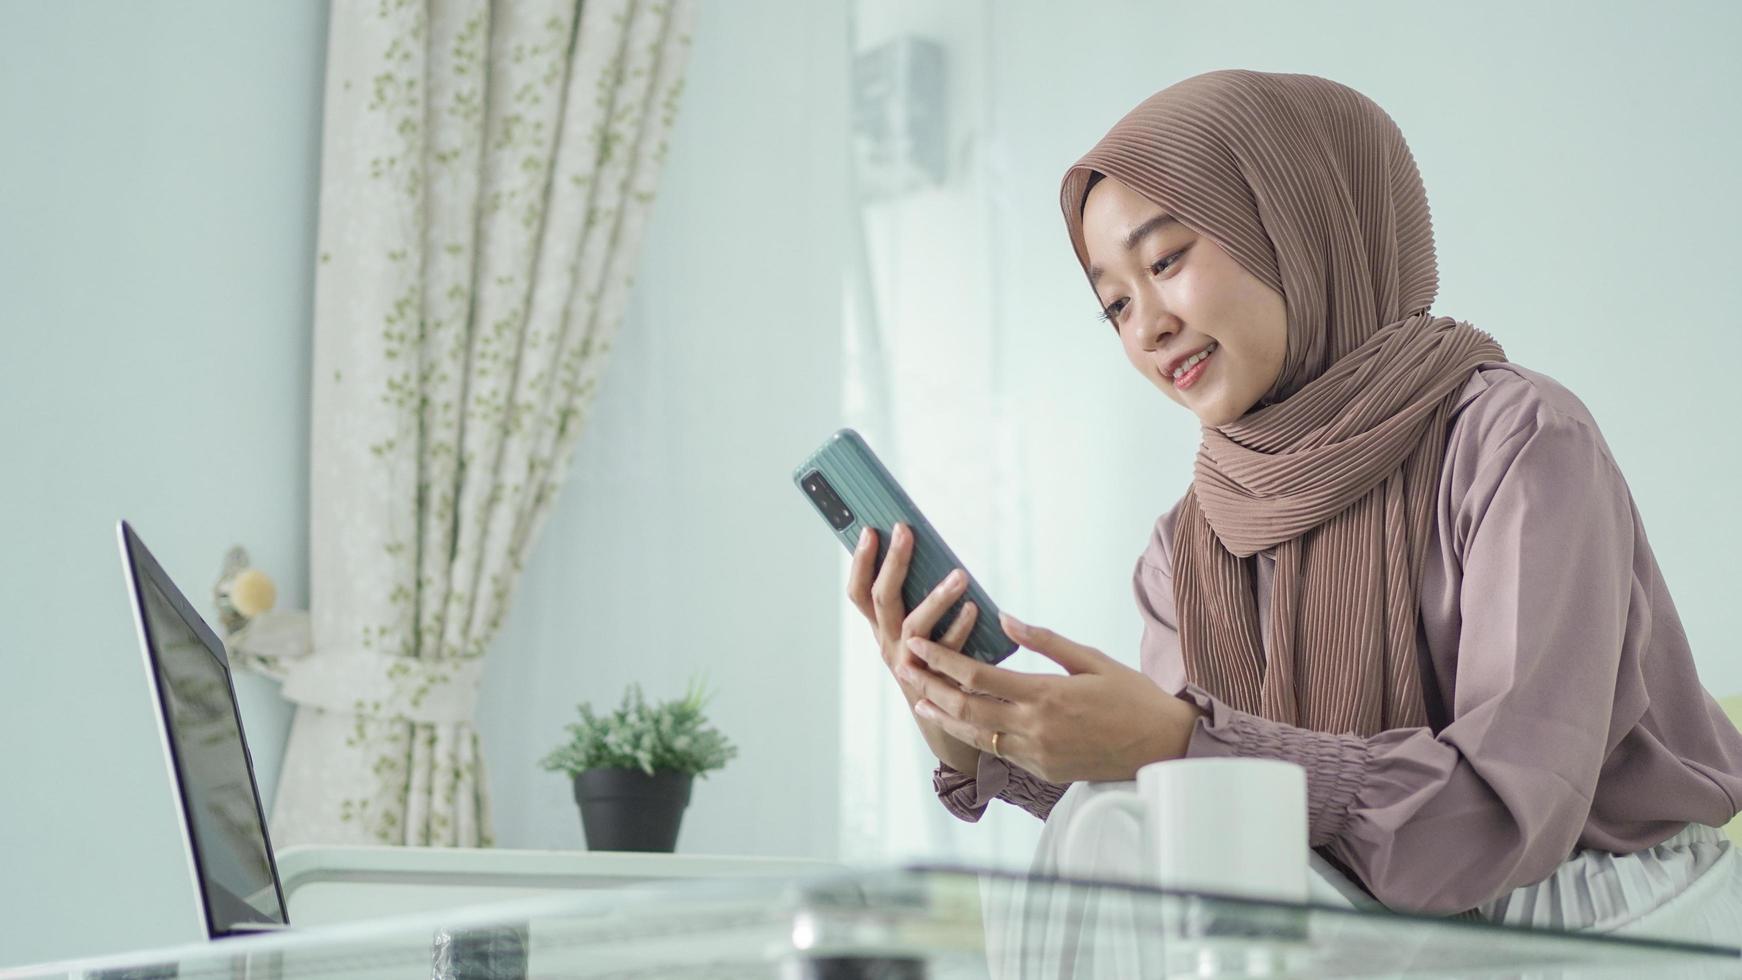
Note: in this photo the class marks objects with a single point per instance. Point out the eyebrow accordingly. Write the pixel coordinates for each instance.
(1138, 234)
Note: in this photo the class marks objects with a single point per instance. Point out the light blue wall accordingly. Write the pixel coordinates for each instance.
(157, 211)
(679, 544)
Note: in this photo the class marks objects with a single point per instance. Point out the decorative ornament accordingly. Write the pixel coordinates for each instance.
(257, 637)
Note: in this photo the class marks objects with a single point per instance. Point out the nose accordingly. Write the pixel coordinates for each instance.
(1154, 326)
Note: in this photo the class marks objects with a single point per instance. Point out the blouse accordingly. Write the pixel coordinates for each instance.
(1563, 704)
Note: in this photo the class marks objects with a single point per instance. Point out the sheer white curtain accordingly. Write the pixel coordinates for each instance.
(926, 384)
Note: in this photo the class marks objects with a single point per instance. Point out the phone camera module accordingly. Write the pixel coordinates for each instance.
(824, 498)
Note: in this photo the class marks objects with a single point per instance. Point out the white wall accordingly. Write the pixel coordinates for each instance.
(157, 191)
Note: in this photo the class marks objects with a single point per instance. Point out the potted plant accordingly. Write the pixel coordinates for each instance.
(633, 769)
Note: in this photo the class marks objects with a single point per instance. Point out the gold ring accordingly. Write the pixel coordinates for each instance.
(995, 745)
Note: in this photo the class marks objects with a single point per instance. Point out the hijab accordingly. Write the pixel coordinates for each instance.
(1310, 186)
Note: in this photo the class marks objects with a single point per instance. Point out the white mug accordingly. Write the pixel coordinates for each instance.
(1230, 826)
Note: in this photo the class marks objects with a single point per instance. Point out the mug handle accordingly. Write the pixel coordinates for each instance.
(1087, 816)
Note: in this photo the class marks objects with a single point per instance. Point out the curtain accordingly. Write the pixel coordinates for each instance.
(927, 381)
(487, 172)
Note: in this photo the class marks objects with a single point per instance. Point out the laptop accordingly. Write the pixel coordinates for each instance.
(211, 772)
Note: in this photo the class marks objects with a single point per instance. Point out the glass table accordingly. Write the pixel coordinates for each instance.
(915, 921)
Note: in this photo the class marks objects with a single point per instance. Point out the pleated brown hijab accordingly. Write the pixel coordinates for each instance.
(1310, 186)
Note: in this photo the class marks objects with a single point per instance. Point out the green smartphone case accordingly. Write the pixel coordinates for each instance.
(872, 495)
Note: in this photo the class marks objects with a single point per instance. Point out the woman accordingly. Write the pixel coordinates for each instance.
(1404, 563)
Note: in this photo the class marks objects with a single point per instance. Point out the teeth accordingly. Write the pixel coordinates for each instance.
(1192, 361)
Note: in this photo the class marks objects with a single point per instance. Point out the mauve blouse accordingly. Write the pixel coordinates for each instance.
(1564, 708)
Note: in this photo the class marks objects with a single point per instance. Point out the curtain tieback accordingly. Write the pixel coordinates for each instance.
(379, 685)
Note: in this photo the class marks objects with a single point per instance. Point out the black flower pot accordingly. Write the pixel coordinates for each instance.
(628, 810)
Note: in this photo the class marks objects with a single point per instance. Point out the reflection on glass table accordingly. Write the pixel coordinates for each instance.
(917, 921)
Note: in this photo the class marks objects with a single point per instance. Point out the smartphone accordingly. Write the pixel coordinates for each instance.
(851, 488)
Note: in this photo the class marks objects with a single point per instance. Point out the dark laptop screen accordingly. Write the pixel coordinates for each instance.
(217, 786)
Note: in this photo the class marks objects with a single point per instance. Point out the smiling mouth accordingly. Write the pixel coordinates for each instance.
(1188, 373)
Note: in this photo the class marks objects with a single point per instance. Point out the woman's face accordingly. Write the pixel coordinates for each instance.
(1173, 294)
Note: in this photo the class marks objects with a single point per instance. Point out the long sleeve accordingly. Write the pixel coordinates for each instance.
(968, 796)
(1499, 796)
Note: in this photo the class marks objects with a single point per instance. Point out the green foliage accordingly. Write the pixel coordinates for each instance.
(653, 738)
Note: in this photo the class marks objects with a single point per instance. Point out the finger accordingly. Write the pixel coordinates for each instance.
(978, 736)
(924, 617)
(886, 591)
(859, 577)
(966, 706)
(974, 675)
(1074, 657)
(923, 683)
(957, 635)
(974, 705)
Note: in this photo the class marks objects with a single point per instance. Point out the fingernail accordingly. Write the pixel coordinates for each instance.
(955, 578)
(864, 536)
(916, 644)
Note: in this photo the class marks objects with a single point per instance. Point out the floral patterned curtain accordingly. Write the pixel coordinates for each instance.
(487, 173)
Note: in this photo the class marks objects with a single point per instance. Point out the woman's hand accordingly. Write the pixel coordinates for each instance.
(893, 625)
(1103, 721)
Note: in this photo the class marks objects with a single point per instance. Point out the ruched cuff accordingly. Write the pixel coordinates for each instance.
(958, 791)
(1336, 765)
(967, 796)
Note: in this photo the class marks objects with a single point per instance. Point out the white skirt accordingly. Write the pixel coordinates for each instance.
(1687, 888)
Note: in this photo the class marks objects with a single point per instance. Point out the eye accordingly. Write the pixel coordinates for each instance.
(1166, 261)
(1157, 267)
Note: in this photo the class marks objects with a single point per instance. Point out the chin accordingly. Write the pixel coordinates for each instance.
(1220, 413)
(1213, 412)
(1219, 409)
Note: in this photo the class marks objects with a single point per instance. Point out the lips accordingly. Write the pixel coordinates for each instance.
(1181, 369)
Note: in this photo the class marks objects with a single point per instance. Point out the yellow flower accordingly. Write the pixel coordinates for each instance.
(252, 592)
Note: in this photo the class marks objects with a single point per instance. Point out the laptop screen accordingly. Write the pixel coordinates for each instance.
(236, 873)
